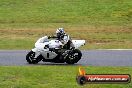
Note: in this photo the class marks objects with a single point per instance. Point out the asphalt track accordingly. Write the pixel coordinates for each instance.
(89, 58)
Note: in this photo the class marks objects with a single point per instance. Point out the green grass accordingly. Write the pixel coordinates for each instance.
(55, 76)
(16, 44)
(96, 38)
(48, 13)
(102, 23)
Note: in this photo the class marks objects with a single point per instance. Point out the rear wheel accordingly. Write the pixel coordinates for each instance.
(74, 56)
(30, 58)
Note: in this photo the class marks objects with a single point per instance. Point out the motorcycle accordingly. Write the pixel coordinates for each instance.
(47, 50)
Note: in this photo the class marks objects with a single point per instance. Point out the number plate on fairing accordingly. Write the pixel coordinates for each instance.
(49, 55)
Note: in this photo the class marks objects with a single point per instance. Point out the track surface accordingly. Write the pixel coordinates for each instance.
(90, 58)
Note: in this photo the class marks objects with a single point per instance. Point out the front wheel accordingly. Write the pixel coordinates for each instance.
(30, 58)
(74, 56)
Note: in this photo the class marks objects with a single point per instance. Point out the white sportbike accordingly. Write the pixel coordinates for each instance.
(47, 50)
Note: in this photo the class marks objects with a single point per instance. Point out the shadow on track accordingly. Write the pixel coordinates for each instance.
(52, 64)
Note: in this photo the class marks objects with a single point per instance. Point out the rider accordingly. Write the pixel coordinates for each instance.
(63, 38)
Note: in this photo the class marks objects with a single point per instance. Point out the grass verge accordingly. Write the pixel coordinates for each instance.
(55, 76)
(43, 13)
(102, 23)
(96, 38)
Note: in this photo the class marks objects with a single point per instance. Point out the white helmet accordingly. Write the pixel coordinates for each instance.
(60, 31)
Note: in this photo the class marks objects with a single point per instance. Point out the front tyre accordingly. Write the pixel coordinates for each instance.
(74, 56)
(30, 58)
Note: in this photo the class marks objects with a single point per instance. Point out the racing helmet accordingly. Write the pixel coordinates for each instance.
(60, 32)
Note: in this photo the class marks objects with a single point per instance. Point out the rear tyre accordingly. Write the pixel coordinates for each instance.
(74, 56)
(30, 58)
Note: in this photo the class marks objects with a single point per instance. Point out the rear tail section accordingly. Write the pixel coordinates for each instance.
(78, 43)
